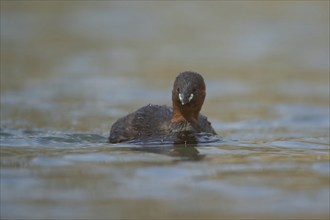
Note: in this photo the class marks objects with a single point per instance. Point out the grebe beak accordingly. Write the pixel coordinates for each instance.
(185, 98)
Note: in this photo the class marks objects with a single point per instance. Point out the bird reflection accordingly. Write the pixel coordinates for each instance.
(180, 144)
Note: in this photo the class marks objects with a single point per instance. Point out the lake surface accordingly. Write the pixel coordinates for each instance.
(70, 69)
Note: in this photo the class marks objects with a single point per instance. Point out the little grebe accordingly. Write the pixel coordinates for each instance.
(188, 95)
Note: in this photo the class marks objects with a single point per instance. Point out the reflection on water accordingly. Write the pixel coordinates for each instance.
(178, 138)
(188, 152)
(70, 69)
(65, 172)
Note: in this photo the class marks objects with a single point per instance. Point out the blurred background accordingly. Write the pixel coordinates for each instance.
(69, 69)
(82, 63)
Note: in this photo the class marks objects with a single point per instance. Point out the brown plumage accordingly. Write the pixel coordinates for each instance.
(188, 96)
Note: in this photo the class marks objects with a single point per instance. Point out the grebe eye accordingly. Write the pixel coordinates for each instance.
(178, 89)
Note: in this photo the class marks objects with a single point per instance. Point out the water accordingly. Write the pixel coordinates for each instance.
(69, 70)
